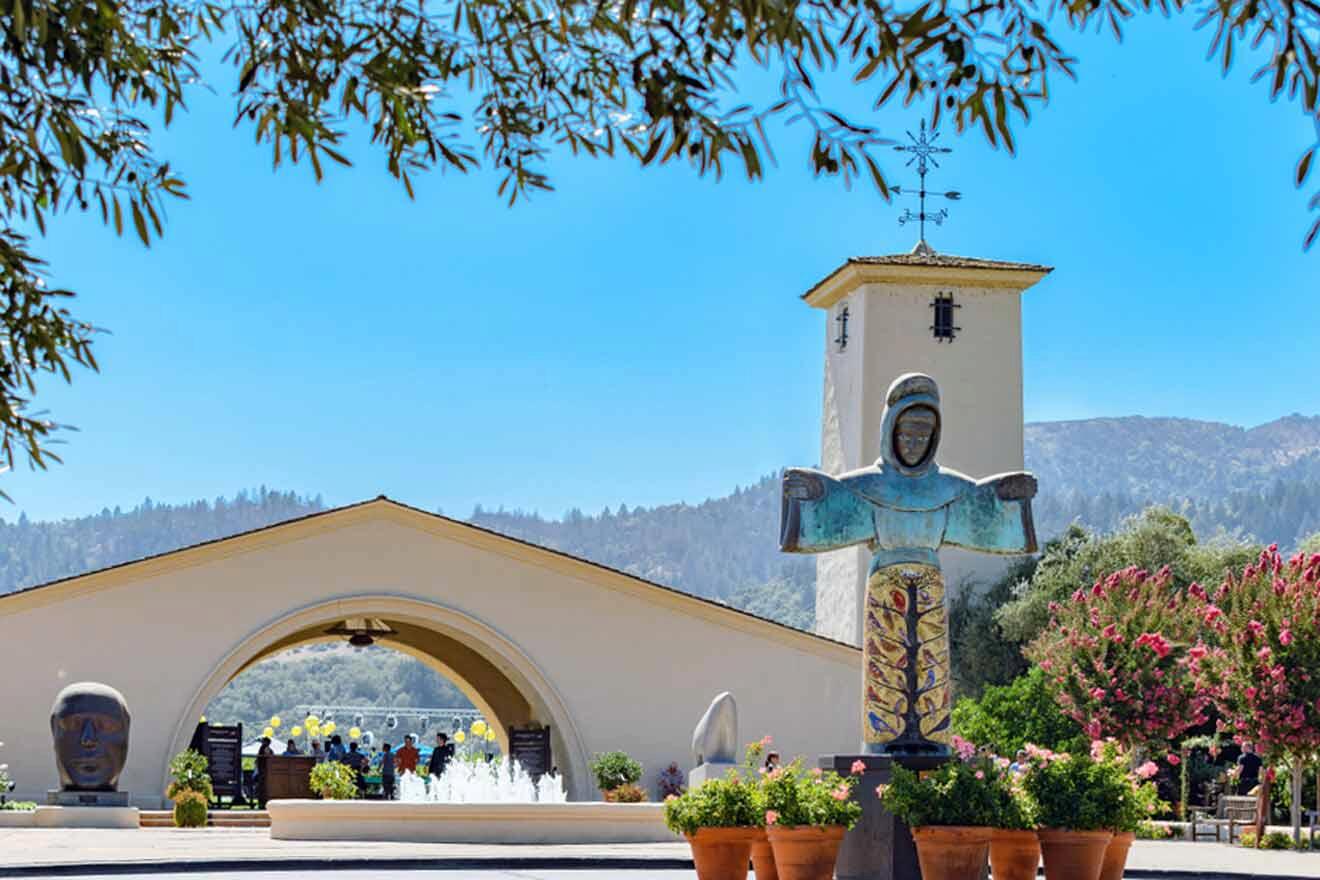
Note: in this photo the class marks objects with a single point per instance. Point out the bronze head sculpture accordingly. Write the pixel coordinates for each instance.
(89, 723)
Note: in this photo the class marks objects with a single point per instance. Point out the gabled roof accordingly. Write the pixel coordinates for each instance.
(922, 267)
(435, 523)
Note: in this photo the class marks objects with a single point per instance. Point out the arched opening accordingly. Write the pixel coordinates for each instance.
(381, 693)
(499, 680)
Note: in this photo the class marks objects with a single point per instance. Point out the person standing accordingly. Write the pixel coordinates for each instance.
(357, 762)
(1249, 769)
(387, 772)
(336, 751)
(405, 759)
(440, 756)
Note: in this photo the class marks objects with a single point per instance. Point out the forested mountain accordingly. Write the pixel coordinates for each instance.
(1261, 483)
(39, 552)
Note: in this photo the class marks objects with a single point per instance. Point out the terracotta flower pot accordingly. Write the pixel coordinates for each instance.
(1073, 855)
(951, 852)
(806, 853)
(722, 853)
(1014, 855)
(1116, 856)
(763, 857)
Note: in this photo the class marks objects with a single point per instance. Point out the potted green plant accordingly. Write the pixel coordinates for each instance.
(191, 789)
(334, 781)
(806, 814)
(1140, 800)
(1014, 845)
(616, 772)
(950, 811)
(720, 819)
(763, 854)
(1079, 802)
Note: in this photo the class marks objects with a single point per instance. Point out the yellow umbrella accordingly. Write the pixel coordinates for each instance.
(328, 728)
(313, 731)
(268, 733)
(295, 731)
(202, 720)
(459, 737)
(275, 721)
(490, 734)
(312, 721)
(479, 728)
(354, 732)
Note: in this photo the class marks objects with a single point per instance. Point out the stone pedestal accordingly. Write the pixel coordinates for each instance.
(879, 847)
(87, 798)
(87, 817)
(702, 772)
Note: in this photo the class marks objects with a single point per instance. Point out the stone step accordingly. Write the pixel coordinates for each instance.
(214, 819)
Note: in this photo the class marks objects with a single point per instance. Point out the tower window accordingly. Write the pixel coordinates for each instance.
(841, 340)
(943, 328)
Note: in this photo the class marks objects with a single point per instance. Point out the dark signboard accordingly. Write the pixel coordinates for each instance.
(530, 747)
(223, 748)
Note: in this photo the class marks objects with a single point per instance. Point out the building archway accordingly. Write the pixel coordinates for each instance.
(502, 682)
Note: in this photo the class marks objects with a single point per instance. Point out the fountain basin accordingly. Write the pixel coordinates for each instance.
(429, 822)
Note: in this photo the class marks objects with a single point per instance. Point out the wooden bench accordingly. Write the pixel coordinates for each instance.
(1234, 812)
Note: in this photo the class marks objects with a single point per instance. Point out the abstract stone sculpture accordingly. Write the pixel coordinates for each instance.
(89, 723)
(905, 507)
(715, 740)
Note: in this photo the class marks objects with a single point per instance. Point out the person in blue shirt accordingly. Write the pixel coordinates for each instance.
(336, 752)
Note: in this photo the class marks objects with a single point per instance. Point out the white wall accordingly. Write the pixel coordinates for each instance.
(634, 666)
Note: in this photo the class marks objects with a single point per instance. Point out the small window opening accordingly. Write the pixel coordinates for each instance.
(944, 328)
(841, 341)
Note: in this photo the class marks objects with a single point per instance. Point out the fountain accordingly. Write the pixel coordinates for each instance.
(502, 781)
(472, 802)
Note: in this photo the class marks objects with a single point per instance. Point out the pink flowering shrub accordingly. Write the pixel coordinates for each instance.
(1260, 658)
(1119, 658)
(794, 796)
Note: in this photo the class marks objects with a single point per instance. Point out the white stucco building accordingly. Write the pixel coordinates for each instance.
(607, 660)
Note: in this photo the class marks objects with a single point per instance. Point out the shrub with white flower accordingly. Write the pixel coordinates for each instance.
(6, 784)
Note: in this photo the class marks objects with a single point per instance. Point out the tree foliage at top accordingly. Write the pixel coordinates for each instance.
(461, 83)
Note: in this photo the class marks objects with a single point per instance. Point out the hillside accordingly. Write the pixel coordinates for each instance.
(1164, 458)
(1261, 483)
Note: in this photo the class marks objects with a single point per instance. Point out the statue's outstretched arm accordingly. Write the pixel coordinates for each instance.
(994, 515)
(819, 513)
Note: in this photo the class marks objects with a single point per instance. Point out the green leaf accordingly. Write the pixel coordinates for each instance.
(140, 223)
(1304, 166)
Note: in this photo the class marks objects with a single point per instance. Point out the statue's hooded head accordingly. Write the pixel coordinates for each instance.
(910, 427)
(89, 722)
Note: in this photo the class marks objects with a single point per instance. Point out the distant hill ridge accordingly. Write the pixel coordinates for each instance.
(1261, 483)
(1171, 457)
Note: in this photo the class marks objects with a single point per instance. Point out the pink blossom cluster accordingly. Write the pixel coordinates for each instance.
(1255, 663)
(1119, 658)
(966, 750)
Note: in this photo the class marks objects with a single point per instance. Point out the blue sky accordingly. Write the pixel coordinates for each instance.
(636, 336)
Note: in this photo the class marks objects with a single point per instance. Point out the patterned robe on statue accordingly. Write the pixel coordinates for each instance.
(905, 514)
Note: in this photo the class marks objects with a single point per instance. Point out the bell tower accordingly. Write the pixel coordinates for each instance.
(958, 319)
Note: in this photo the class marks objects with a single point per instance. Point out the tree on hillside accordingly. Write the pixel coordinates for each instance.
(458, 83)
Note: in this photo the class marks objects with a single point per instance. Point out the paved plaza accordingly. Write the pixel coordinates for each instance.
(78, 852)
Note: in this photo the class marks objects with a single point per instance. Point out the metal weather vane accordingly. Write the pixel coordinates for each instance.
(923, 151)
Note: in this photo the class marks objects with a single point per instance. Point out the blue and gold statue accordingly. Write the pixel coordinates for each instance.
(905, 508)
